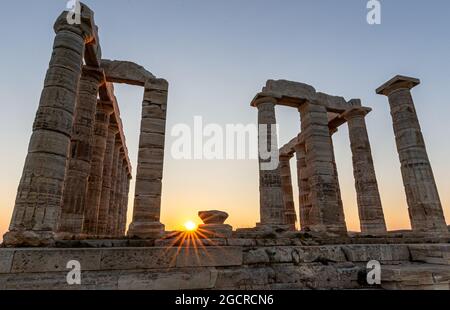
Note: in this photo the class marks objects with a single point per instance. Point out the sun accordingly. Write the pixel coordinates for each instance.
(190, 226)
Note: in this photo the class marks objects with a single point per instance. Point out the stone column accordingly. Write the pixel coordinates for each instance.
(147, 203)
(118, 197)
(425, 209)
(288, 196)
(325, 214)
(123, 202)
(123, 224)
(77, 174)
(94, 191)
(303, 187)
(335, 171)
(271, 194)
(39, 195)
(103, 213)
(112, 194)
(371, 214)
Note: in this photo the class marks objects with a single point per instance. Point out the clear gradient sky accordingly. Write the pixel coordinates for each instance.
(216, 56)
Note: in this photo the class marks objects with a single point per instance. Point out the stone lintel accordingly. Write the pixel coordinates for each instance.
(397, 82)
(125, 72)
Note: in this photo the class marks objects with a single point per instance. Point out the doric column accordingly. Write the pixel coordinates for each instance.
(77, 174)
(103, 213)
(104, 110)
(114, 174)
(335, 171)
(371, 214)
(288, 196)
(270, 192)
(147, 203)
(123, 203)
(425, 209)
(325, 213)
(123, 220)
(303, 186)
(118, 197)
(39, 195)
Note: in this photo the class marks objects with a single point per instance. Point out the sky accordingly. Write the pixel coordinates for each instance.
(216, 56)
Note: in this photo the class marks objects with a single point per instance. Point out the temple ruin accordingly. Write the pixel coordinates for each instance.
(72, 200)
(76, 177)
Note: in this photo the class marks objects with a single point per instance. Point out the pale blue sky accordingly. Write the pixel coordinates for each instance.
(216, 56)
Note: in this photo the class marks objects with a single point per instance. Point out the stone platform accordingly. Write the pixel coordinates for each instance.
(247, 264)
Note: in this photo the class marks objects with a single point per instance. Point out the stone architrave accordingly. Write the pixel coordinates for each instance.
(77, 174)
(94, 191)
(39, 196)
(371, 214)
(424, 204)
(147, 203)
(326, 213)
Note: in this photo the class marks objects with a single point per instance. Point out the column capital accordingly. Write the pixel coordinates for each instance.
(95, 73)
(396, 83)
(105, 106)
(87, 28)
(355, 112)
(263, 99)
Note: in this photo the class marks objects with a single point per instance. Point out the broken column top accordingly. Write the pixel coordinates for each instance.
(397, 82)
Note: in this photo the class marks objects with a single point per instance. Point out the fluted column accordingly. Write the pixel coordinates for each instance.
(77, 174)
(115, 212)
(325, 214)
(40, 192)
(270, 192)
(123, 203)
(104, 110)
(288, 196)
(371, 214)
(303, 186)
(103, 213)
(336, 176)
(147, 203)
(123, 220)
(424, 204)
(114, 173)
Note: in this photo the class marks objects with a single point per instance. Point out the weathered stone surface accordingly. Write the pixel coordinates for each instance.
(371, 214)
(54, 260)
(6, 257)
(326, 213)
(210, 256)
(125, 72)
(271, 195)
(431, 254)
(364, 253)
(213, 217)
(424, 205)
(147, 203)
(179, 279)
(414, 276)
(39, 194)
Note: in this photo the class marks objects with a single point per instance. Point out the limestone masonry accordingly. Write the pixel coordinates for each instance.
(72, 200)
